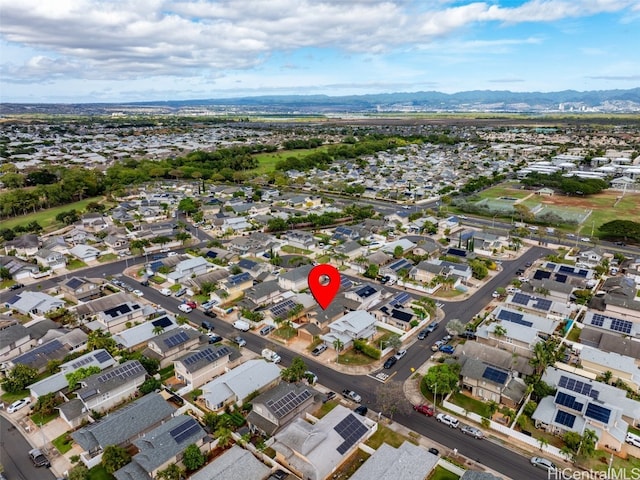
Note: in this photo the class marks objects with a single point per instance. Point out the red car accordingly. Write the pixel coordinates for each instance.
(192, 304)
(424, 409)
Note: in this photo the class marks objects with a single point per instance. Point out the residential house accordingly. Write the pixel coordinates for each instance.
(163, 446)
(426, 247)
(491, 383)
(80, 289)
(300, 239)
(591, 257)
(264, 293)
(103, 391)
(169, 345)
(494, 356)
(344, 234)
(364, 296)
(354, 325)
(198, 367)
(351, 249)
(514, 337)
(296, 279)
(24, 246)
(122, 427)
(117, 243)
(138, 336)
(51, 259)
(191, 267)
(234, 386)
(580, 403)
(256, 244)
(407, 462)
(14, 339)
(314, 451)
(34, 303)
(620, 367)
(85, 253)
(115, 319)
(610, 342)
(93, 222)
(236, 285)
(235, 463)
(397, 316)
(54, 346)
(18, 269)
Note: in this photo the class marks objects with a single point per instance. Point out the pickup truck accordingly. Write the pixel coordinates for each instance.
(351, 395)
(270, 355)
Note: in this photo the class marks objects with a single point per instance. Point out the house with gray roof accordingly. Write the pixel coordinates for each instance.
(199, 366)
(170, 344)
(123, 426)
(279, 405)
(354, 325)
(234, 386)
(81, 289)
(514, 337)
(491, 383)
(314, 451)
(295, 279)
(494, 356)
(18, 268)
(264, 293)
(102, 391)
(51, 259)
(189, 268)
(300, 239)
(114, 319)
(162, 446)
(407, 462)
(581, 403)
(236, 463)
(14, 339)
(25, 245)
(85, 253)
(365, 296)
(34, 303)
(52, 349)
(139, 335)
(621, 367)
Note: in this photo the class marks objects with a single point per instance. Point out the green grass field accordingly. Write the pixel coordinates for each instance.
(504, 190)
(47, 218)
(268, 161)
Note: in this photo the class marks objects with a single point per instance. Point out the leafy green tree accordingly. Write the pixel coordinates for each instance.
(391, 398)
(398, 252)
(588, 443)
(188, 205)
(442, 379)
(193, 458)
(150, 385)
(19, 378)
(151, 365)
(621, 230)
(46, 404)
(295, 372)
(114, 458)
(223, 434)
(78, 472)
(80, 374)
(5, 273)
(172, 472)
(372, 271)
(100, 339)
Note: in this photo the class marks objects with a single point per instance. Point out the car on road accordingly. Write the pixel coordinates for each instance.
(145, 282)
(183, 307)
(38, 458)
(329, 396)
(495, 294)
(434, 451)
(211, 314)
(432, 328)
(213, 338)
(424, 409)
(585, 239)
(390, 362)
(241, 342)
(436, 346)
(192, 304)
(400, 354)
(473, 431)
(319, 349)
(448, 420)
(166, 292)
(424, 333)
(361, 410)
(266, 330)
(351, 395)
(571, 235)
(543, 463)
(449, 349)
(138, 293)
(18, 404)
(16, 286)
(468, 334)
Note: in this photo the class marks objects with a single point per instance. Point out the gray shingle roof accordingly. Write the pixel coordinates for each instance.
(234, 464)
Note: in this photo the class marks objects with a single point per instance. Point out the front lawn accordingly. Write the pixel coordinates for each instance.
(75, 264)
(386, 435)
(470, 404)
(107, 257)
(12, 397)
(325, 408)
(353, 357)
(99, 473)
(39, 419)
(285, 332)
(63, 443)
(440, 473)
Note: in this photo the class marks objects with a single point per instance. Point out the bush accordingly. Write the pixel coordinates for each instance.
(368, 350)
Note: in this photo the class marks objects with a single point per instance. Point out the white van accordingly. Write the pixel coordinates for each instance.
(633, 439)
(241, 325)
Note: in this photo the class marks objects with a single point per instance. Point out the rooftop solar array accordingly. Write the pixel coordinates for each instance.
(345, 282)
(102, 356)
(577, 386)
(118, 311)
(366, 291)
(246, 263)
(524, 299)
(403, 263)
(565, 418)
(573, 271)
(208, 354)
(457, 252)
(542, 304)
(623, 326)
(185, 430)
(400, 299)
(163, 322)
(495, 375)
(280, 310)
(401, 315)
(541, 275)
(239, 278)
(521, 298)
(13, 299)
(287, 403)
(74, 283)
(81, 362)
(569, 401)
(615, 324)
(123, 371)
(176, 339)
(514, 317)
(351, 430)
(43, 350)
(343, 230)
(599, 413)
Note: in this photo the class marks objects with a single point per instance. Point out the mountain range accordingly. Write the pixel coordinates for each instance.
(604, 101)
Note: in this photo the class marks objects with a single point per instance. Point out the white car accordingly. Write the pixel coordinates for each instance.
(585, 239)
(138, 293)
(18, 404)
(183, 307)
(166, 292)
(400, 354)
(448, 420)
(172, 254)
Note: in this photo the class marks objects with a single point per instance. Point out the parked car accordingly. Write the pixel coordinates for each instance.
(390, 362)
(241, 342)
(329, 396)
(183, 307)
(192, 304)
(361, 410)
(213, 338)
(16, 286)
(424, 409)
(585, 239)
(473, 431)
(319, 349)
(38, 458)
(138, 293)
(448, 420)
(180, 292)
(210, 314)
(468, 334)
(436, 346)
(424, 333)
(266, 330)
(543, 463)
(400, 354)
(166, 292)
(431, 328)
(434, 451)
(144, 283)
(18, 404)
(449, 349)
(351, 395)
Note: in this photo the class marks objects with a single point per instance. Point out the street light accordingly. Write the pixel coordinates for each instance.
(435, 396)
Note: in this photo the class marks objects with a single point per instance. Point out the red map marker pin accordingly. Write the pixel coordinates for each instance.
(324, 283)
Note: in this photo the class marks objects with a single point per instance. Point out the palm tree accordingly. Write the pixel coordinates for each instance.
(499, 332)
(223, 434)
(158, 329)
(543, 442)
(338, 345)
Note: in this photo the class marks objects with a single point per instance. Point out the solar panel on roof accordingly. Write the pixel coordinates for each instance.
(514, 317)
(574, 385)
(123, 371)
(565, 418)
(102, 356)
(288, 402)
(568, 401)
(623, 326)
(400, 299)
(81, 362)
(495, 375)
(282, 308)
(74, 283)
(597, 412)
(366, 291)
(13, 299)
(560, 278)
(541, 275)
(542, 304)
(597, 320)
(521, 298)
(34, 354)
(163, 322)
(117, 311)
(351, 430)
(176, 339)
(345, 282)
(185, 430)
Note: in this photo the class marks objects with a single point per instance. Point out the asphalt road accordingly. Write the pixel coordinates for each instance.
(13, 455)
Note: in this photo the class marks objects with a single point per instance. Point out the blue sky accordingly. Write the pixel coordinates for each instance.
(135, 50)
